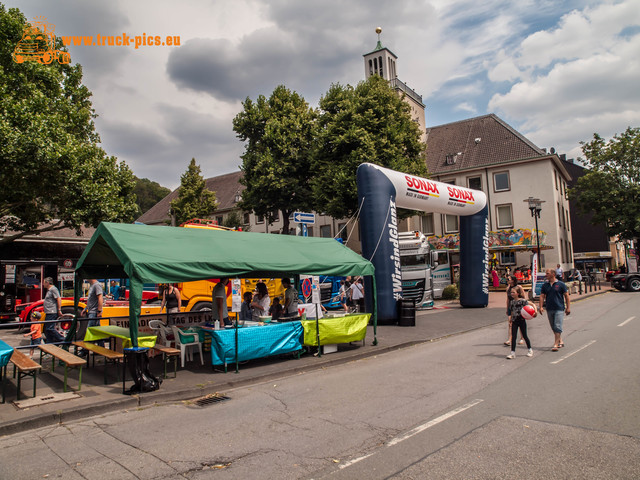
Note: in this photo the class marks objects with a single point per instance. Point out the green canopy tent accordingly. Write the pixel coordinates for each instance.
(154, 254)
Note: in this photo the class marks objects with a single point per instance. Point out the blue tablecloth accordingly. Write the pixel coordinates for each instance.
(5, 353)
(254, 342)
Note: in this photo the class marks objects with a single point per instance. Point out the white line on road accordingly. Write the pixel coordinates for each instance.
(416, 430)
(574, 352)
(433, 422)
(626, 321)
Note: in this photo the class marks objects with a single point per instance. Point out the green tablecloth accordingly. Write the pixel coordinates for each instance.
(349, 328)
(106, 331)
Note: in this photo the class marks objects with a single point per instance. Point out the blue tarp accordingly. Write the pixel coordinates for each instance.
(255, 342)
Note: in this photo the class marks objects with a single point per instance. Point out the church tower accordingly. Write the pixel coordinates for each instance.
(382, 61)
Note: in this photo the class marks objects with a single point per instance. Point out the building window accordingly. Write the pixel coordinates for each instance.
(325, 231)
(501, 182)
(219, 219)
(276, 216)
(474, 182)
(259, 218)
(309, 231)
(559, 215)
(246, 219)
(451, 181)
(564, 218)
(427, 225)
(451, 224)
(504, 216)
(566, 213)
(507, 258)
(561, 252)
(450, 159)
(342, 231)
(570, 256)
(555, 175)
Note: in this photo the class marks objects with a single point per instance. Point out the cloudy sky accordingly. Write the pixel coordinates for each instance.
(557, 71)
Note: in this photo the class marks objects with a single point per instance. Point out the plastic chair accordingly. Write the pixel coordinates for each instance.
(161, 330)
(183, 342)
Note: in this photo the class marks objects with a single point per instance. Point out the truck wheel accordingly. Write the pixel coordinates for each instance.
(202, 307)
(46, 58)
(634, 284)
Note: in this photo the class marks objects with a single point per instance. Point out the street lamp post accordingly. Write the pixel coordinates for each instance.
(535, 206)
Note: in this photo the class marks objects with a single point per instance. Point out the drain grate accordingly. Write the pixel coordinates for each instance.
(211, 399)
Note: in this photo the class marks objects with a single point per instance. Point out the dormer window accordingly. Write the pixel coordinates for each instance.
(451, 159)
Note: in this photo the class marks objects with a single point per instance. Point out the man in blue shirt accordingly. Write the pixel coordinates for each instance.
(554, 296)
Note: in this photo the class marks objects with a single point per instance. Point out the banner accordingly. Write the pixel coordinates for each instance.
(534, 270)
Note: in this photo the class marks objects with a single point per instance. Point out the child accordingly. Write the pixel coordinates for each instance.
(245, 310)
(276, 309)
(36, 330)
(517, 321)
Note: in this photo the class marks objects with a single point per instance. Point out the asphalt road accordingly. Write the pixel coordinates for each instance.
(455, 408)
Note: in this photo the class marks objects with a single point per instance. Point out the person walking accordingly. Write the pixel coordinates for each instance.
(555, 297)
(517, 321)
(52, 306)
(357, 294)
(512, 284)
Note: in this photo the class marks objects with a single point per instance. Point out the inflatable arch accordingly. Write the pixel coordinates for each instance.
(380, 193)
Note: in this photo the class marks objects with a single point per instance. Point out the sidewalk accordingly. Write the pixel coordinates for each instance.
(195, 381)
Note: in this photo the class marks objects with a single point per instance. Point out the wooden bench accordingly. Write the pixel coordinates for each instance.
(26, 368)
(168, 352)
(110, 356)
(69, 360)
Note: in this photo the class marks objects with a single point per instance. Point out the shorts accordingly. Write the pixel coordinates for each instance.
(556, 317)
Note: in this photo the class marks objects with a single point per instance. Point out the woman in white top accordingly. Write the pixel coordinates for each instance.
(261, 302)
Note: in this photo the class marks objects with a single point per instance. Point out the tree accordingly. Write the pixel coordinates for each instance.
(148, 193)
(611, 188)
(234, 220)
(194, 200)
(276, 163)
(368, 123)
(52, 171)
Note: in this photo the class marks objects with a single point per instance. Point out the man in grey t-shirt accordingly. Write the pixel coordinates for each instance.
(52, 306)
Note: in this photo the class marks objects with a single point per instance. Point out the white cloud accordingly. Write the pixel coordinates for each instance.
(590, 84)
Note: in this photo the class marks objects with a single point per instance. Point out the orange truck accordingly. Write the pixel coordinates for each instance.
(196, 296)
(38, 44)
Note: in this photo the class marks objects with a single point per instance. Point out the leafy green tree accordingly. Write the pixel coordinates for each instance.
(611, 188)
(234, 220)
(148, 193)
(368, 123)
(278, 132)
(194, 199)
(52, 171)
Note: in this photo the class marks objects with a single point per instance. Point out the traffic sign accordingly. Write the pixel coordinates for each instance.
(302, 217)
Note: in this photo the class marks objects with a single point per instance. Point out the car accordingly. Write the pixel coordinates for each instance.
(626, 281)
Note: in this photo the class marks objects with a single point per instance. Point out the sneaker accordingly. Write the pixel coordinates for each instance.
(511, 356)
(530, 353)
(521, 342)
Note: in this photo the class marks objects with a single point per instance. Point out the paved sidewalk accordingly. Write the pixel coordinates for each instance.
(447, 318)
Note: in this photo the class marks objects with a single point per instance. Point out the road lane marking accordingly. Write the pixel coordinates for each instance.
(433, 422)
(415, 431)
(626, 321)
(574, 352)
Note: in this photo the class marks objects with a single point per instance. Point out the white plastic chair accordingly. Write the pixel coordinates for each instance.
(161, 331)
(183, 343)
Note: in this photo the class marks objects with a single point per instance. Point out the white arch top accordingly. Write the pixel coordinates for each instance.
(418, 193)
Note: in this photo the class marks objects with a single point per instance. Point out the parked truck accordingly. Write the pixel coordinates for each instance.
(416, 261)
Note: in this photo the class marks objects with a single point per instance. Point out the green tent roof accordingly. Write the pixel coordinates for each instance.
(170, 254)
(153, 254)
